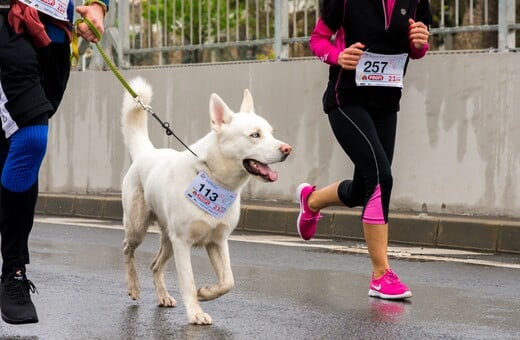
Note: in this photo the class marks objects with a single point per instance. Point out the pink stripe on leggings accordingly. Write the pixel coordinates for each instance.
(374, 209)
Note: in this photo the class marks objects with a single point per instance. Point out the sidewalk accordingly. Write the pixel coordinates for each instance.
(461, 232)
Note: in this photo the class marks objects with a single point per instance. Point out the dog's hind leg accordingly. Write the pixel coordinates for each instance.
(136, 219)
(132, 279)
(187, 283)
(219, 255)
(165, 252)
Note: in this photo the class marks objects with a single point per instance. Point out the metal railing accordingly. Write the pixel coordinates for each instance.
(163, 32)
(157, 32)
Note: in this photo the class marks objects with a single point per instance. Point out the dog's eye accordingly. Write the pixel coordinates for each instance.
(255, 135)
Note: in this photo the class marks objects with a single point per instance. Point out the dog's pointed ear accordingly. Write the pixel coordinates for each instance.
(247, 103)
(219, 112)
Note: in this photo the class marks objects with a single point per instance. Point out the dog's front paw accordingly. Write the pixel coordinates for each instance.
(200, 318)
(167, 301)
(207, 293)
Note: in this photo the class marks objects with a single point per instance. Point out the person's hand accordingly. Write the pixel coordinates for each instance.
(418, 34)
(349, 57)
(96, 14)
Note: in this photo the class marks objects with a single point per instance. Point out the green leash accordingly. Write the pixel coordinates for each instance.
(74, 61)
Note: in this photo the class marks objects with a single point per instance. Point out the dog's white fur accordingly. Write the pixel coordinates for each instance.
(238, 146)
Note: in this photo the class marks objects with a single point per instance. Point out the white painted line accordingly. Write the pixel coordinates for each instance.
(77, 221)
(412, 253)
(398, 252)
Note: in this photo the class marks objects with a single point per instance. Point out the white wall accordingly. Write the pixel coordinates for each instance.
(458, 145)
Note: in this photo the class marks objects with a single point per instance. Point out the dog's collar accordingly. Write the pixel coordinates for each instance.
(209, 171)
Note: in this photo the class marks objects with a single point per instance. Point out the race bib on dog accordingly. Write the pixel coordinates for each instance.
(209, 196)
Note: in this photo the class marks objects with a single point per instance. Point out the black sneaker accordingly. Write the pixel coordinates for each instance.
(15, 301)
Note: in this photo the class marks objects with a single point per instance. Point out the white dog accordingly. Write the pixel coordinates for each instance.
(195, 201)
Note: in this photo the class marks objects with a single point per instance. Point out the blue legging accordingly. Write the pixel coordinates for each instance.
(368, 137)
(27, 147)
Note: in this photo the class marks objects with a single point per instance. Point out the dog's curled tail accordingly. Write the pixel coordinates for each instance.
(134, 118)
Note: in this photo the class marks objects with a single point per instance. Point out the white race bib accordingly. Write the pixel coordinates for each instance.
(376, 69)
(209, 196)
(54, 8)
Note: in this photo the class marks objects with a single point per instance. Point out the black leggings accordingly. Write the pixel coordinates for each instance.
(368, 138)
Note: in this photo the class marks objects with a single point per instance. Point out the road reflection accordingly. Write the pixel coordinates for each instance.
(387, 310)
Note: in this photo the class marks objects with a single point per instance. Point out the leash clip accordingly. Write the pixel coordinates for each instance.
(147, 108)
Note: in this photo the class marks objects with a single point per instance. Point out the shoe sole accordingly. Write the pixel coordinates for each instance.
(18, 322)
(299, 198)
(375, 293)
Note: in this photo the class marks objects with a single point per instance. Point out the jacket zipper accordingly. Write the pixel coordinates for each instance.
(385, 12)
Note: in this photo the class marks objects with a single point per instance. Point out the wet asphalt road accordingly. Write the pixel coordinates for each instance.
(289, 290)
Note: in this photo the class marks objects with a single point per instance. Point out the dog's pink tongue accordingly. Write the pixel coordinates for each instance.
(266, 171)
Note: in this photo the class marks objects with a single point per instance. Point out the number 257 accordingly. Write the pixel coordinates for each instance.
(375, 66)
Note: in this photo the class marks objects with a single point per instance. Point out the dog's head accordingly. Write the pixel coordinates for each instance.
(247, 138)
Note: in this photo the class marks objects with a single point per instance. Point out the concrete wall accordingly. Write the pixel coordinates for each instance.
(457, 152)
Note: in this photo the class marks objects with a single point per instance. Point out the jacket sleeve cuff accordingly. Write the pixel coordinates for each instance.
(418, 53)
(102, 3)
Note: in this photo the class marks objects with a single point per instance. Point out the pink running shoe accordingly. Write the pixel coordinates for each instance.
(388, 287)
(307, 220)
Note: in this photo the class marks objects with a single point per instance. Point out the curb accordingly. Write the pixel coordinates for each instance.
(459, 232)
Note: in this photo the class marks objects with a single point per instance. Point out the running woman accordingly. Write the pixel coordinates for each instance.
(368, 45)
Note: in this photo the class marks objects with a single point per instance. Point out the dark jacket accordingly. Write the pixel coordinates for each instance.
(365, 21)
